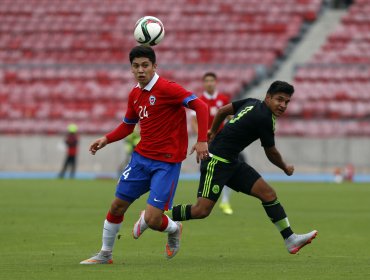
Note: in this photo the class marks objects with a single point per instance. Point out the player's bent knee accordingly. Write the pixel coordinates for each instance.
(116, 211)
(118, 208)
(268, 195)
(263, 191)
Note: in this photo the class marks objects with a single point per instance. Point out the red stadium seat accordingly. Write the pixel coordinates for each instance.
(72, 54)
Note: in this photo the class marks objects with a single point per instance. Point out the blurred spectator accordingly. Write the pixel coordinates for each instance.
(346, 173)
(338, 176)
(71, 142)
(349, 172)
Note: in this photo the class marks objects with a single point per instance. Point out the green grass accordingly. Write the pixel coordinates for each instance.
(48, 226)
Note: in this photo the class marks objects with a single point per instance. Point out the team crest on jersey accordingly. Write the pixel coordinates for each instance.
(152, 100)
(219, 103)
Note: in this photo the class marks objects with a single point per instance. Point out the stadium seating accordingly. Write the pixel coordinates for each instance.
(65, 61)
(333, 89)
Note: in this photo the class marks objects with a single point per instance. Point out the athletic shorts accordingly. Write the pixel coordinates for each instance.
(216, 172)
(144, 175)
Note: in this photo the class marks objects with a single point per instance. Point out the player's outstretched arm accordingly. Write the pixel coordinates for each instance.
(221, 115)
(274, 157)
(98, 144)
(118, 133)
(201, 110)
(201, 147)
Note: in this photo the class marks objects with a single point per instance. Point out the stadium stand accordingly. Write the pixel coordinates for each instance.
(64, 61)
(333, 89)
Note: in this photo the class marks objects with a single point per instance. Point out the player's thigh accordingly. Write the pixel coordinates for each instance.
(135, 179)
(163, 185)
(213, 176)
(244, 178)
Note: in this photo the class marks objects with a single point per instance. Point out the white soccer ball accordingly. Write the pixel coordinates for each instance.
(149, 31)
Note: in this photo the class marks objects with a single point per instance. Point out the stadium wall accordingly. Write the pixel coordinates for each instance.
(39, 153)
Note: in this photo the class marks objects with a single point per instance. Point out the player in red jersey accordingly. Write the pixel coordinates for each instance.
(215, 100)
(71, 142)
(212, 98)
(158, 106)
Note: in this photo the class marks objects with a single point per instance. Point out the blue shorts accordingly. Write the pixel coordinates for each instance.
(142, 175)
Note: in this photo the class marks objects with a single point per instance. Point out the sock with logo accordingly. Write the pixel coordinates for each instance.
(181, 212)
(277, 215)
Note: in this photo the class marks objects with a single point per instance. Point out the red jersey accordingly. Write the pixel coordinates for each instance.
(214, 103)
(72, 143)
(159, 108)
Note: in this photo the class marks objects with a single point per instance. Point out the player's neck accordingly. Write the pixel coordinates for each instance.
(143, 85)
(212, 95)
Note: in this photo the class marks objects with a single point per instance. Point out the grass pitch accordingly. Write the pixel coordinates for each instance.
(49, 226)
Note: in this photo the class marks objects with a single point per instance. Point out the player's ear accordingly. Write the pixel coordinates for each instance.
(268, 97)
(155, 66)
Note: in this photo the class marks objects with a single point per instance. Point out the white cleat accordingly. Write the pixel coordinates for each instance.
(296, 241)
(99, 259)
(173, 243)
(137, 230)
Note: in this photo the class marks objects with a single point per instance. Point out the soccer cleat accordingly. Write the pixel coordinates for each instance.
(226, 208)
(137, 231)
(99, 258)
(173, 243)
(296, 241)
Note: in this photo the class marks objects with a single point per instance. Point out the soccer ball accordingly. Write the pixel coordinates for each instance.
(149, 31)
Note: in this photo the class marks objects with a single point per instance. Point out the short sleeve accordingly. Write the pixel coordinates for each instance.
(179, 95)
(266, 132)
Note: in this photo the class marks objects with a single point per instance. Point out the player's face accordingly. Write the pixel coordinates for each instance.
(143, 70)
(209, 84)
(278, 103)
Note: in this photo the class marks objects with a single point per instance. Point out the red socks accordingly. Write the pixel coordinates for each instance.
(114, 219)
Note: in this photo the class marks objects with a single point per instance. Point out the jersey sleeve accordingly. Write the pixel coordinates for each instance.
(180, 95)
(266, 132)
(130, 117)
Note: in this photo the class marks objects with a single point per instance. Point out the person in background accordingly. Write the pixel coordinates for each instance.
(215, 100)
(71, 141)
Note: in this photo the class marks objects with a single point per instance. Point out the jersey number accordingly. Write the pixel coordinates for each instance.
(241, 113)
(126, 173)
(143, 113)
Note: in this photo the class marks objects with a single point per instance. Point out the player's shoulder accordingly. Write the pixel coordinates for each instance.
(165, 82)
(164, 85)
(264, 113)
(247, 102)
(134, 92)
